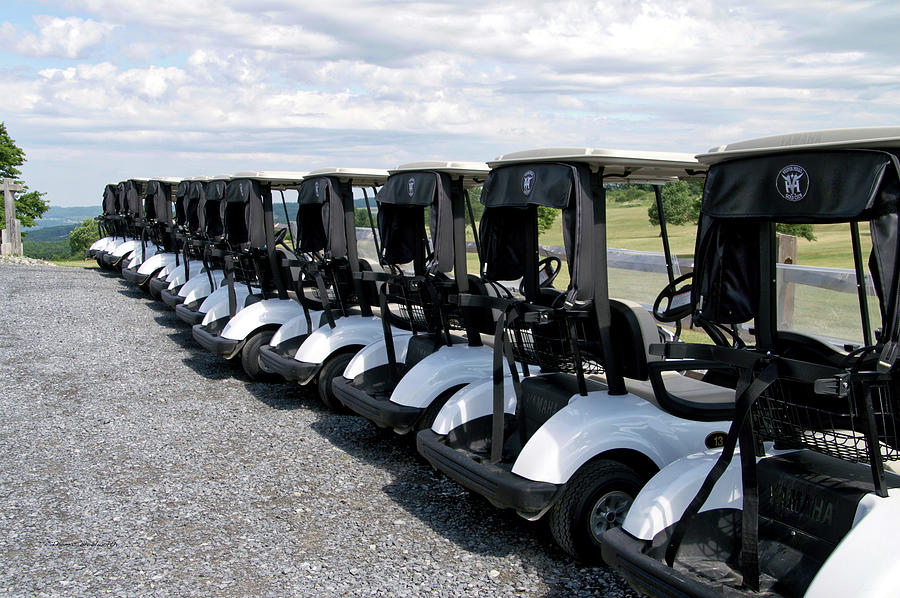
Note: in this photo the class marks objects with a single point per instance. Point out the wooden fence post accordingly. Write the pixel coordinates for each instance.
(12, 234)
(787, 254)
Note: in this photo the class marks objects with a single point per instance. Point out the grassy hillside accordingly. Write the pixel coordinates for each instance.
(49, 233)
(65, 216)
(629, 228)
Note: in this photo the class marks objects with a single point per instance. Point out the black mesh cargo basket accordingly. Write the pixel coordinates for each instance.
(556, 340)
(860, 415)
(422, 303)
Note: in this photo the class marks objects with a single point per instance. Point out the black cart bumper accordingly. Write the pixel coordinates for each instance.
(625, 554)
(500, 486)
(132, 275)
(112, 260)
(157, 286)
(190, 312)
(171, 297)
(379, 410)
(209, 337)
(280, 359)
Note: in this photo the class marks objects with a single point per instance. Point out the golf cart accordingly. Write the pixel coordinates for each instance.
(159, 265)
(189, 265)
(108, 225)
(416, 317)
(204, 247)
(800, 500)
(156, 230)
(561, 442)
(257, 273)
(192, 295)
(327, 283)
(131, 207)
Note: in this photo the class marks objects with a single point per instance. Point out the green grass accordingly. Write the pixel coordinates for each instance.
(817, 311)
(76, 263)
(629, 228)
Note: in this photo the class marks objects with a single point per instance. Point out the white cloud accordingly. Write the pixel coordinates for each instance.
(209, 83)
(66, 38)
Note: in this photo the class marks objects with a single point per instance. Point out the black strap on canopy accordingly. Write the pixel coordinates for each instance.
(613, 370)
(750, 387)
(503, 349)
(345, 188)
(269, 225)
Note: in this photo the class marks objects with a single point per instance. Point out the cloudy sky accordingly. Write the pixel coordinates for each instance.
(101, 90)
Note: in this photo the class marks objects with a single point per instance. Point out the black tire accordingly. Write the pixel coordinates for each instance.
(577, 519)
(145, 286)
(333, 367)
(250, 360)
(428, 416)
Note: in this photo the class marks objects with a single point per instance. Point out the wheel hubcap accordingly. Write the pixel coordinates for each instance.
(609, 511)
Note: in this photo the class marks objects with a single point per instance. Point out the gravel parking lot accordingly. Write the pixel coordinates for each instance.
(135, 463)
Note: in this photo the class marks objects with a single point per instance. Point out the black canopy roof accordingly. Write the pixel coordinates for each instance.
(158, 200)
(211, 209)
(849, 175)
(570, 179)
(181, 193)
(110, 200)
(133, 197)
(408, 190)
(195, 193)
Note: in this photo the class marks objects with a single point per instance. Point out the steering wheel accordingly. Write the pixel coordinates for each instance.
(548, 270)
(280, 234)
(677, 297)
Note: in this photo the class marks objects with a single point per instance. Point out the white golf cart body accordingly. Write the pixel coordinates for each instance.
(449, 367)
(864, 563)
(143, 259)
(587, 427)
(178, 275)
(216, 305)
(106, 244)
(124, 249)
(199, 287)
(627, 428)
(274, 313)
(599, 422)
(139, 256)
(864, 560)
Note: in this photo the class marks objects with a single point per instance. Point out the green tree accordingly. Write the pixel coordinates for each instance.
(83, 236)
(681, 203)
(361, 217)
(545, 218)
(477, 206)
(46, 250)
(30, 205)
(798, 230)
(624, 193)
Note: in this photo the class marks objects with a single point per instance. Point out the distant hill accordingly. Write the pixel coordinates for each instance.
(57, 216)
(73, 216)
(49, 233)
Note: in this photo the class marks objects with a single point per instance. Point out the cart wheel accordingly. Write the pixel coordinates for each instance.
(596, 499)
(430, 414)
(250, 360)
(334, 367)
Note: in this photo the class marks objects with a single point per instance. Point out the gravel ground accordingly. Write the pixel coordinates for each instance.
(135, 463)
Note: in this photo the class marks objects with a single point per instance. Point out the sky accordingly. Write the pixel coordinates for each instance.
(97, 91)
